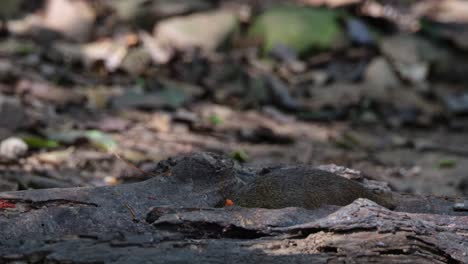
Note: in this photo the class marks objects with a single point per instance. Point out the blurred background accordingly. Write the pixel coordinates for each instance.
(377, 86)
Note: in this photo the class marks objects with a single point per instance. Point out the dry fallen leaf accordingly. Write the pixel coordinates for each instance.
(330, 3)
(73, 18)
(55, 157)
(228, 202)
(448, 11)
(49, 92)
(4, 204)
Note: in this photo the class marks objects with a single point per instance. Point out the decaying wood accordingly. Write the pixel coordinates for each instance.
(175, 217)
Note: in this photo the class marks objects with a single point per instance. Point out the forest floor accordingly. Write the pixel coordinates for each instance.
(87, 91)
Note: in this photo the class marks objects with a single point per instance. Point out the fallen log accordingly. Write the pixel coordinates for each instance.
(178, 216)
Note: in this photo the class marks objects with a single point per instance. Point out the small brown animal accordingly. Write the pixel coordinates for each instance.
(304, 187)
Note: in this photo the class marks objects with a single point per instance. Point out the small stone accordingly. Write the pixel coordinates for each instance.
(12, 148)
(359, 32)
(380, 75)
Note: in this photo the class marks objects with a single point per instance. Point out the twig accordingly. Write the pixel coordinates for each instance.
(131, 165)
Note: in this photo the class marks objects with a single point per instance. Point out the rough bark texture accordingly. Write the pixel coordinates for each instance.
(176, 218)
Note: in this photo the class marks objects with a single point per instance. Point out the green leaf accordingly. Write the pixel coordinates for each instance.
(176, 93)
(101, 140)
(97, 138)
(140, 82)
(347, 141)
(13, 46)
(447, 163)
(40, 142)
(240, 155)
(66, 137)
(300, 28)
(216, 120)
